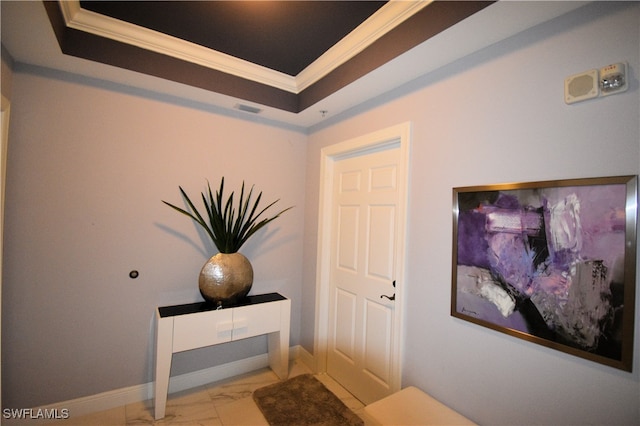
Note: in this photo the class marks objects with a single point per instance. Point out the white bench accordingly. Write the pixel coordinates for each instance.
(411, 406)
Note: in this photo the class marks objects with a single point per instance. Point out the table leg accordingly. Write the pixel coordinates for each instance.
(278, 343)
(164, 352)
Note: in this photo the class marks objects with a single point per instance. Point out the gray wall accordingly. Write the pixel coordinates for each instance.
(88, 166)
(493, 117)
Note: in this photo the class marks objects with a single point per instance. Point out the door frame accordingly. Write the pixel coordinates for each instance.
(395, 136)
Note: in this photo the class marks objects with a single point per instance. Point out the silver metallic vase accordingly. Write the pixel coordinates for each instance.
(225, 278)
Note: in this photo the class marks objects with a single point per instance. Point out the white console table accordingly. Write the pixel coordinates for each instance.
(195, 325)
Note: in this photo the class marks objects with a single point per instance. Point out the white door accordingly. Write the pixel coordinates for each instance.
(365, 267)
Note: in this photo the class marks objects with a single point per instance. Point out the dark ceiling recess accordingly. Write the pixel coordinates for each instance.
(282, 35)
(286, 36)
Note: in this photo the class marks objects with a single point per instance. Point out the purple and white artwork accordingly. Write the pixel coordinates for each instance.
(547, 262)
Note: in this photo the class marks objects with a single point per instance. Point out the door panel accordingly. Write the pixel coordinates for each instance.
(377, 343)
(380, 247)
(348, 219)
(345, 324)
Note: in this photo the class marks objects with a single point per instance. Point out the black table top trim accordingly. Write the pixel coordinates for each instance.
(192, 308)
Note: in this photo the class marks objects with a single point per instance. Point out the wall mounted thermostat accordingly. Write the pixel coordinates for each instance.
(613, 79)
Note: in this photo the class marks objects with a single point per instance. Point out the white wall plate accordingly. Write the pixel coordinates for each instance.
(580, 87)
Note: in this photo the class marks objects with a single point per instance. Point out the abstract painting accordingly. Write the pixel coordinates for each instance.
(550, 262)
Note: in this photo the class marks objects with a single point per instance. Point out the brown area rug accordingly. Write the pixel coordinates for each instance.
(303, 400)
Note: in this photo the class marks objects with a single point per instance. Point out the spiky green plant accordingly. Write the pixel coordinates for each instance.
(229, 226)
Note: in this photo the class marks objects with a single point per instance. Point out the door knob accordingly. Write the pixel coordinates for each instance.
(390, 297)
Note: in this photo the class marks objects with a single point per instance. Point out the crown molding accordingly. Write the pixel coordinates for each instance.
(104, 26)
(385, 19)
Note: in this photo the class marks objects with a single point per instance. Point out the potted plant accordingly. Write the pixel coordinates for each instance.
(228, 275)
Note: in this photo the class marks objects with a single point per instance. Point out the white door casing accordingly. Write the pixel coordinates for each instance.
(364, 346)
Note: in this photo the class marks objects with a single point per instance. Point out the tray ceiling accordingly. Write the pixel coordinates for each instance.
(285, 36)
(397, 43)
(283, 54)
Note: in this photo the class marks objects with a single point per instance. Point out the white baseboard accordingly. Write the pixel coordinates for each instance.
(118, 397)
(306, 358)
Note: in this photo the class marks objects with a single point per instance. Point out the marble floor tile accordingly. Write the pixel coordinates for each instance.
(297, 368)
(223, 403)
(240, 387)
(347, 398)
(112, 417)
(241, 412)
(190, 407)
(366, 417)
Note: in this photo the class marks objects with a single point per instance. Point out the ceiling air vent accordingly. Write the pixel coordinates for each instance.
(248, 108)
